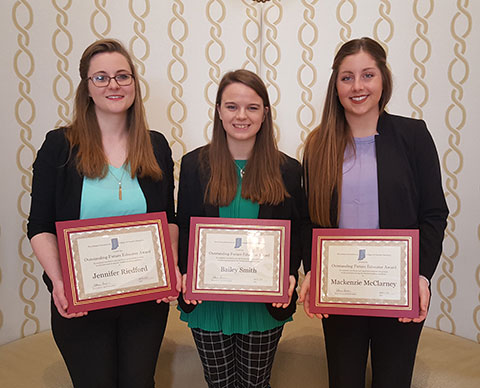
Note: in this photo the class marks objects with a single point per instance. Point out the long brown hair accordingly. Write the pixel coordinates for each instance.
(325, 145)
(84, 131)
(262, 182)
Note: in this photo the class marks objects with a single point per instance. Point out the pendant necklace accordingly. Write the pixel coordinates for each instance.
(242, 170)
(119, 182)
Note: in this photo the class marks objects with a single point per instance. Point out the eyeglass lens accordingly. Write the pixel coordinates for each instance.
(102, 80)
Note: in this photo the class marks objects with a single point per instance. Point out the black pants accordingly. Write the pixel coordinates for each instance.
(393, 347)
(112, 348)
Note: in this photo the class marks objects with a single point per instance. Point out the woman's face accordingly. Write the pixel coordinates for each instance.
(359, 85)
(112, 99)
(242, 113)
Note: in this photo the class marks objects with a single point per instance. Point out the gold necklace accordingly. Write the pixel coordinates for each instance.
(119, 181)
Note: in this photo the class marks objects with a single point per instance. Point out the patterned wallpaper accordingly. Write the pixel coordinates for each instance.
(183, 47)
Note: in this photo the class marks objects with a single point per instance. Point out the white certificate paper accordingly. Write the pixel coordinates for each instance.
(117, 261)
(239, 260)
(364, 272)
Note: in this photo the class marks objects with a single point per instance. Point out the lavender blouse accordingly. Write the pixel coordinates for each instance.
(359, 202)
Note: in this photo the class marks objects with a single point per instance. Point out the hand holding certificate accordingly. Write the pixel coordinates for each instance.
(241, 260)
(114, 261)
(365, 272)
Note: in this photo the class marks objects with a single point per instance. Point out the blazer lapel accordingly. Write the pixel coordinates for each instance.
(211, 211)
(265, 212)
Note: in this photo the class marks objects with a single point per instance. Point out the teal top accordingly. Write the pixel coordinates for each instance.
(233, 317)
(100, 197)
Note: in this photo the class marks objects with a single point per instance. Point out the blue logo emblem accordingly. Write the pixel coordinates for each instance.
(361, 254)
(114, 243)
(238, 242)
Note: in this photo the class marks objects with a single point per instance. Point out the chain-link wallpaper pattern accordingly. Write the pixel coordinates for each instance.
(183, 47)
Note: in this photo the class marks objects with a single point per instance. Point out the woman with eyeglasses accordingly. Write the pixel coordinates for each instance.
(369, 169)
(239, 174)
(105, 163)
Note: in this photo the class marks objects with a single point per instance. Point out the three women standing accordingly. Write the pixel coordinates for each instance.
(105, 163)
(364, 168)
(368, 169)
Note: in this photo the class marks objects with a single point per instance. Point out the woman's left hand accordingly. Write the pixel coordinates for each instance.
(173, 231)
(290, 293)
(178, 287)
(424, 295)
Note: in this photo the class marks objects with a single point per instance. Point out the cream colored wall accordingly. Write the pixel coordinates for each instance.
(182, 48)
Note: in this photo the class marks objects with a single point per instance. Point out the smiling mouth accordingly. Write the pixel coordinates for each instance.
(359, 98)
(116, 97)
(241, 126)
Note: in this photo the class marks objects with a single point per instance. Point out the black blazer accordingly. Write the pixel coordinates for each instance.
(191, 192)
(57, 185)
(410, 194)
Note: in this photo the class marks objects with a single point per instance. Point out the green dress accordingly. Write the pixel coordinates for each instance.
(233, 317)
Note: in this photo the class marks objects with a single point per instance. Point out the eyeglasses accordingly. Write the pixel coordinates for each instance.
(102, 80)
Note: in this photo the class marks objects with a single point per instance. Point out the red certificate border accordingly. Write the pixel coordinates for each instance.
(198, 223)
(409, 310)
(66, 228)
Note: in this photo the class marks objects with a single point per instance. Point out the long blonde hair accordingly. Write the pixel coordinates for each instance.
(84, 131)
(263, 181)
(325, 145)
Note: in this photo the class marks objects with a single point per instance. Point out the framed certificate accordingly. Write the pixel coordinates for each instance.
(365, 272)
(239, 260)
(115, 261)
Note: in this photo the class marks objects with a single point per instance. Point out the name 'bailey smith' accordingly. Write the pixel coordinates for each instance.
(239, 269)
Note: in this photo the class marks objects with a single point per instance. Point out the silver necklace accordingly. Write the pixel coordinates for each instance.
(119, 181)
(242, 170)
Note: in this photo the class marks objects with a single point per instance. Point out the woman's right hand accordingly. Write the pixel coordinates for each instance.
(184, 290)
(61, 302)
(45, 247)
(305, 297)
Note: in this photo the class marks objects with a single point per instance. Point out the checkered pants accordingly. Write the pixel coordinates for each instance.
(237, 360)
